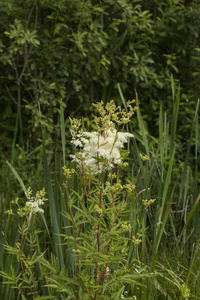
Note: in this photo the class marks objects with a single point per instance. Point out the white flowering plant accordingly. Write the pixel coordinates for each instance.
(100, 151)
(99, 254)
(101, 238)
(26, 252)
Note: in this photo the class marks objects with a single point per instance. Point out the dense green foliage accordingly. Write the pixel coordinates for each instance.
(79, 50)
(59, 57)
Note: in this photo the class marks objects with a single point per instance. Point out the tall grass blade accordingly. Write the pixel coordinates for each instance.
(195, 180)
(189, 216)
(165, 218)
(53, 210)
(142, 130)
(173, 86)
(190, 270)
(168, 180)
(17, 176)
(174, 120)
(121, 95)
(160, 219)
(13, 154)
(161, 140)
(62, 127)
(187, 157)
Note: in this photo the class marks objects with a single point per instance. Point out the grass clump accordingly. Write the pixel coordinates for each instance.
(112, 222)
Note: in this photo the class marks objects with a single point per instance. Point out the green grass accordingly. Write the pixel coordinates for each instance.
(171, 232)
(170, 229)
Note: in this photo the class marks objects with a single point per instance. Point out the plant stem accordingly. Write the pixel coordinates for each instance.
(70, 209)
(98, 233)
(75, 225)
(100, 206)
(84, 193)
(22, 235)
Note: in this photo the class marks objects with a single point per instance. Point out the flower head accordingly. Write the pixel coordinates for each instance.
(34, 203)
(100, 151)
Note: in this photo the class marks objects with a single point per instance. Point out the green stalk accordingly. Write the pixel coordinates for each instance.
(187, 157)
(189, 217)
(62, 127)
(98, 233)
(142, 130)
(53, 211)
(190, 270)
(174, 120)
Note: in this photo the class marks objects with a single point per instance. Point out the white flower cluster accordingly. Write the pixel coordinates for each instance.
(100, 151)
(35, 202)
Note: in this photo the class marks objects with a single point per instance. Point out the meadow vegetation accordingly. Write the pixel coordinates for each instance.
(99, 198)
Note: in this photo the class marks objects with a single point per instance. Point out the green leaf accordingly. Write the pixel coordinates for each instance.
(17, 176)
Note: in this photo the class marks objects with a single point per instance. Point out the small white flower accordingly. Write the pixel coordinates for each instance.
(34, 206)
(77, 143)
(137, 271)
(35, 202)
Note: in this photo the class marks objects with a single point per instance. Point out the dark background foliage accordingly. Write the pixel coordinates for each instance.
(79, 50)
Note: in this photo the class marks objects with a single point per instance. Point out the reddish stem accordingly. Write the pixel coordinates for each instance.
(22, 235)
(98, 233)
(84, 192)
